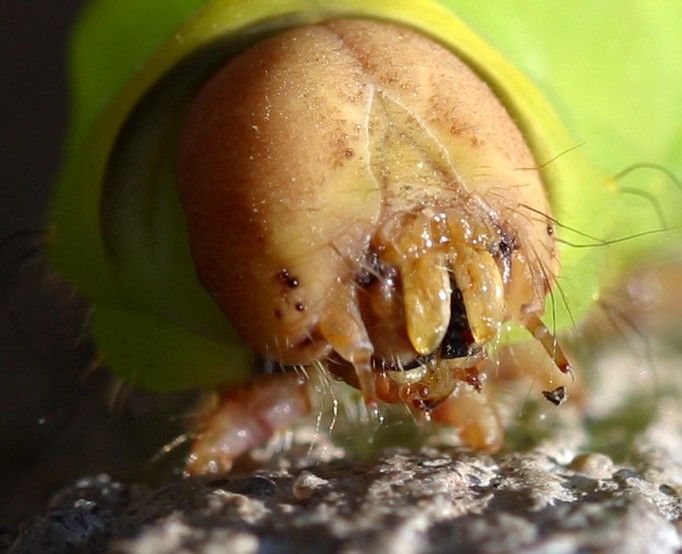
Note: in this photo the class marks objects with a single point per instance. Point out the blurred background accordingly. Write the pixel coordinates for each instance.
(58, 419)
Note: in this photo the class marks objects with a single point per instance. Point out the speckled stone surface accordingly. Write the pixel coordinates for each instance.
(559, 495)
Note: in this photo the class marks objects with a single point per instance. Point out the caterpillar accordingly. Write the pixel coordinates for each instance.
(369, 187)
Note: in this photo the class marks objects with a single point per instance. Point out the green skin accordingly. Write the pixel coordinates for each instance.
(612, 70)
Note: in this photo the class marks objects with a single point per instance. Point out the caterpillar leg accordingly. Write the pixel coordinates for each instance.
(529, 361)
(246, 417)
(473, 409)
(473, 413)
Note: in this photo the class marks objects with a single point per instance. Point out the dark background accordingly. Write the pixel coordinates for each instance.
(59, 420)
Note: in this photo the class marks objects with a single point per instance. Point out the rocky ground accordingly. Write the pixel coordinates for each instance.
(603, 478)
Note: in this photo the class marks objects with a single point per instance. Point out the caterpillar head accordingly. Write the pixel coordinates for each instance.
(355, 191)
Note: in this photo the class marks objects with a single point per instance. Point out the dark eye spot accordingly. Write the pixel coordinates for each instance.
(289, 280)
(504, 247)
(300, 307)
(502, 250)
(550, 229)
(507, 243)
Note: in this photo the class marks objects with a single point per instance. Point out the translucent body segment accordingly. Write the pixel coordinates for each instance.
(245, 418)
(473, 413)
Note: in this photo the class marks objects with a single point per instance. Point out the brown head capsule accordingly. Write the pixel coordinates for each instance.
(352, 190)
